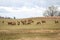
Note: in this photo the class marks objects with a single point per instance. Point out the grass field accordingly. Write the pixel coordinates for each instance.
(45, 31)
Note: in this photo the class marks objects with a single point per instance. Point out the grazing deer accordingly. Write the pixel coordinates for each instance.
(23, 22)
(18, 22)
(38, 22)
(43, 21)
(30, 21)
(2, 21)
(56, 21)
(11, 23)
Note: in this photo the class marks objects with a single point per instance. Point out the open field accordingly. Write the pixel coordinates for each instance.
(44, 31)
(29, 35)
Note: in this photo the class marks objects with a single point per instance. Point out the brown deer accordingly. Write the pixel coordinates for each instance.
(11, 23)
(56, 21)
(23, 22)
(18, 22)
(38, 22)
(43, 21)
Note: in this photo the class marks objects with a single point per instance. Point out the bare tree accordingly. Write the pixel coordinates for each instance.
(52, 11)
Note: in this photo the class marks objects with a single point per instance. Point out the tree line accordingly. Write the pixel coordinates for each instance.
(7, 17)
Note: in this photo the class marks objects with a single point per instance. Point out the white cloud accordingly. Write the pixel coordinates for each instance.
(23, 11)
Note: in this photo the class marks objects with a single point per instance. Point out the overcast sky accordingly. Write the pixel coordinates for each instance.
(25, 8)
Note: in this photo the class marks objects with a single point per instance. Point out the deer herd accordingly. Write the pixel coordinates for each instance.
(26, 22)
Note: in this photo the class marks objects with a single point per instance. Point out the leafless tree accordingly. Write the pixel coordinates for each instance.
(52, 11)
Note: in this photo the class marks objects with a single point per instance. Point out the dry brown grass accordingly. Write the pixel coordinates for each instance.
(38, 38)
(43, 31)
